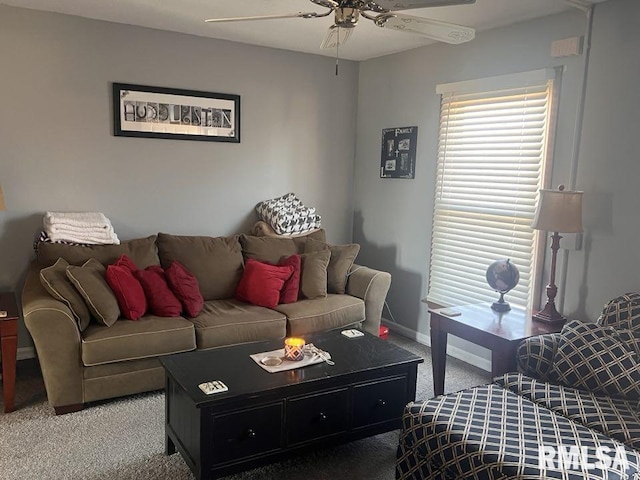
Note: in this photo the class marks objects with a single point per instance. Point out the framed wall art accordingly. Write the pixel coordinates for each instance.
(157, 112)
(398, 158)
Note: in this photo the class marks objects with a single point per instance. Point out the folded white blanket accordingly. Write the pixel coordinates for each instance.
(79, 227)
(87, 238)
(77, 219)
(61, 228)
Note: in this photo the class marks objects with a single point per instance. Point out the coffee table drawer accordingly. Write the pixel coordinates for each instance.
(316, 416)
(378, 401)
(247, 432)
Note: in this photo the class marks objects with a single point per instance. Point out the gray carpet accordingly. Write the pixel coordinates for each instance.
(124, 438)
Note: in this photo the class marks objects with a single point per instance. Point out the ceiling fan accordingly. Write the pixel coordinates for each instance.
(382, 13)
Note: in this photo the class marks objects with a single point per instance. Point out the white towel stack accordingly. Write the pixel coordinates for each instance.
(79, 227)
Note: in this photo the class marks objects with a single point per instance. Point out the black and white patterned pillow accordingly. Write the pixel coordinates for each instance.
(288, 215)
(594, 358)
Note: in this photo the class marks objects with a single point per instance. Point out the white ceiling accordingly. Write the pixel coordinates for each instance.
(298, 34)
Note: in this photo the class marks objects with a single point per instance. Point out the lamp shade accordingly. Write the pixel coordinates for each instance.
(559, 211)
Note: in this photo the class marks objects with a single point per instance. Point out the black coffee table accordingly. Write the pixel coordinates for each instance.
(265, 417)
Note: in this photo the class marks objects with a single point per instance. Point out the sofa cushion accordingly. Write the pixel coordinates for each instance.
(54, 279)
(320, 314)
(185, 286)
(216, 262)
(89, 280)
(262, 283)
(291, 288)
(270, 249)
(341, 261)
(150, 336)
(141, 250)
(227, 322)
(162, 301)
(128, 291)
(313, 274)
(614, 417)
(592, 358)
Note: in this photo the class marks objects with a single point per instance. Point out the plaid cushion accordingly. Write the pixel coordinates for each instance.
(491, 433)
(593, 358)
(614, 417)
(631, 340)
(622, 312)
(535, 355)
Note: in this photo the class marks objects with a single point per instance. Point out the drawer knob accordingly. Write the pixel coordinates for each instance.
(323, 416)
(381, 403)
(251, 433)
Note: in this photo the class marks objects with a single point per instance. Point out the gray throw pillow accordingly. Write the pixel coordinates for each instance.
(89, 280)
(342, 258)
(55, 281)
(313, 276)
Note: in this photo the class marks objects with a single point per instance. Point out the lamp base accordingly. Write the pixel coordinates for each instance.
(549, 315)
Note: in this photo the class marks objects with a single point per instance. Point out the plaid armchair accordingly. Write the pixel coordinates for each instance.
(527, 424)
(536, 354)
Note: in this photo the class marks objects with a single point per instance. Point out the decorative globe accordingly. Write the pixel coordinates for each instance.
(502, 276)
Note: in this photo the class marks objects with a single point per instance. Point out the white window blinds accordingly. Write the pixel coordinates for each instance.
(492, 147)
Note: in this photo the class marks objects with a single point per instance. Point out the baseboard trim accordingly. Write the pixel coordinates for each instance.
(453, 351)
(25, 353)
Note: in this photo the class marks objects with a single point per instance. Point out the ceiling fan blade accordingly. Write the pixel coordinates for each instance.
(441, 31)
(392, 5)
(263, 17)
(336, 37)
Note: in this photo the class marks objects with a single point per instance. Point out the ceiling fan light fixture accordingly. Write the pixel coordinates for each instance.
(347, 17)
(336, 37)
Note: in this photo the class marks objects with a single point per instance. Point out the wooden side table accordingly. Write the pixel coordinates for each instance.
(9, 345)
(499, 332)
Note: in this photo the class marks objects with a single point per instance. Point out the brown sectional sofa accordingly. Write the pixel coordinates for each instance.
(104, 362)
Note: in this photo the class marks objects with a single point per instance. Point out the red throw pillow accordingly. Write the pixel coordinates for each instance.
(261, 283)
(185, 286)
(162, 301)
(291, 287)
(128, 291)
(124, 261)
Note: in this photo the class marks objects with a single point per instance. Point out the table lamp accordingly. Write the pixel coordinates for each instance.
(558, 211)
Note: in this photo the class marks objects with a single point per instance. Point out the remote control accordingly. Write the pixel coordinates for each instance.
(352, 333)
(215, 386)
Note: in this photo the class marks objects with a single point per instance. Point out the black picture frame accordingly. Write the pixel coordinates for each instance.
(177, 114)
(398, 152)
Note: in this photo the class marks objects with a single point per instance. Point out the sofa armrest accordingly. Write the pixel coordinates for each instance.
(57, 340)
(371, 286)
(535, 355)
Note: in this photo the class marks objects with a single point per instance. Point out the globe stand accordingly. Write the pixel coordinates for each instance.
(501, 305)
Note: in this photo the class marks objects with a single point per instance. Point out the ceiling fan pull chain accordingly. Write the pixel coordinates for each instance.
(337, 50)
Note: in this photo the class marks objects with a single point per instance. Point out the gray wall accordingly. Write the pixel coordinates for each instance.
(609, 168)
(392, 218)
(58, 151)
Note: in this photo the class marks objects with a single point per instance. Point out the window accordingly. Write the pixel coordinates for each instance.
(494, 140)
